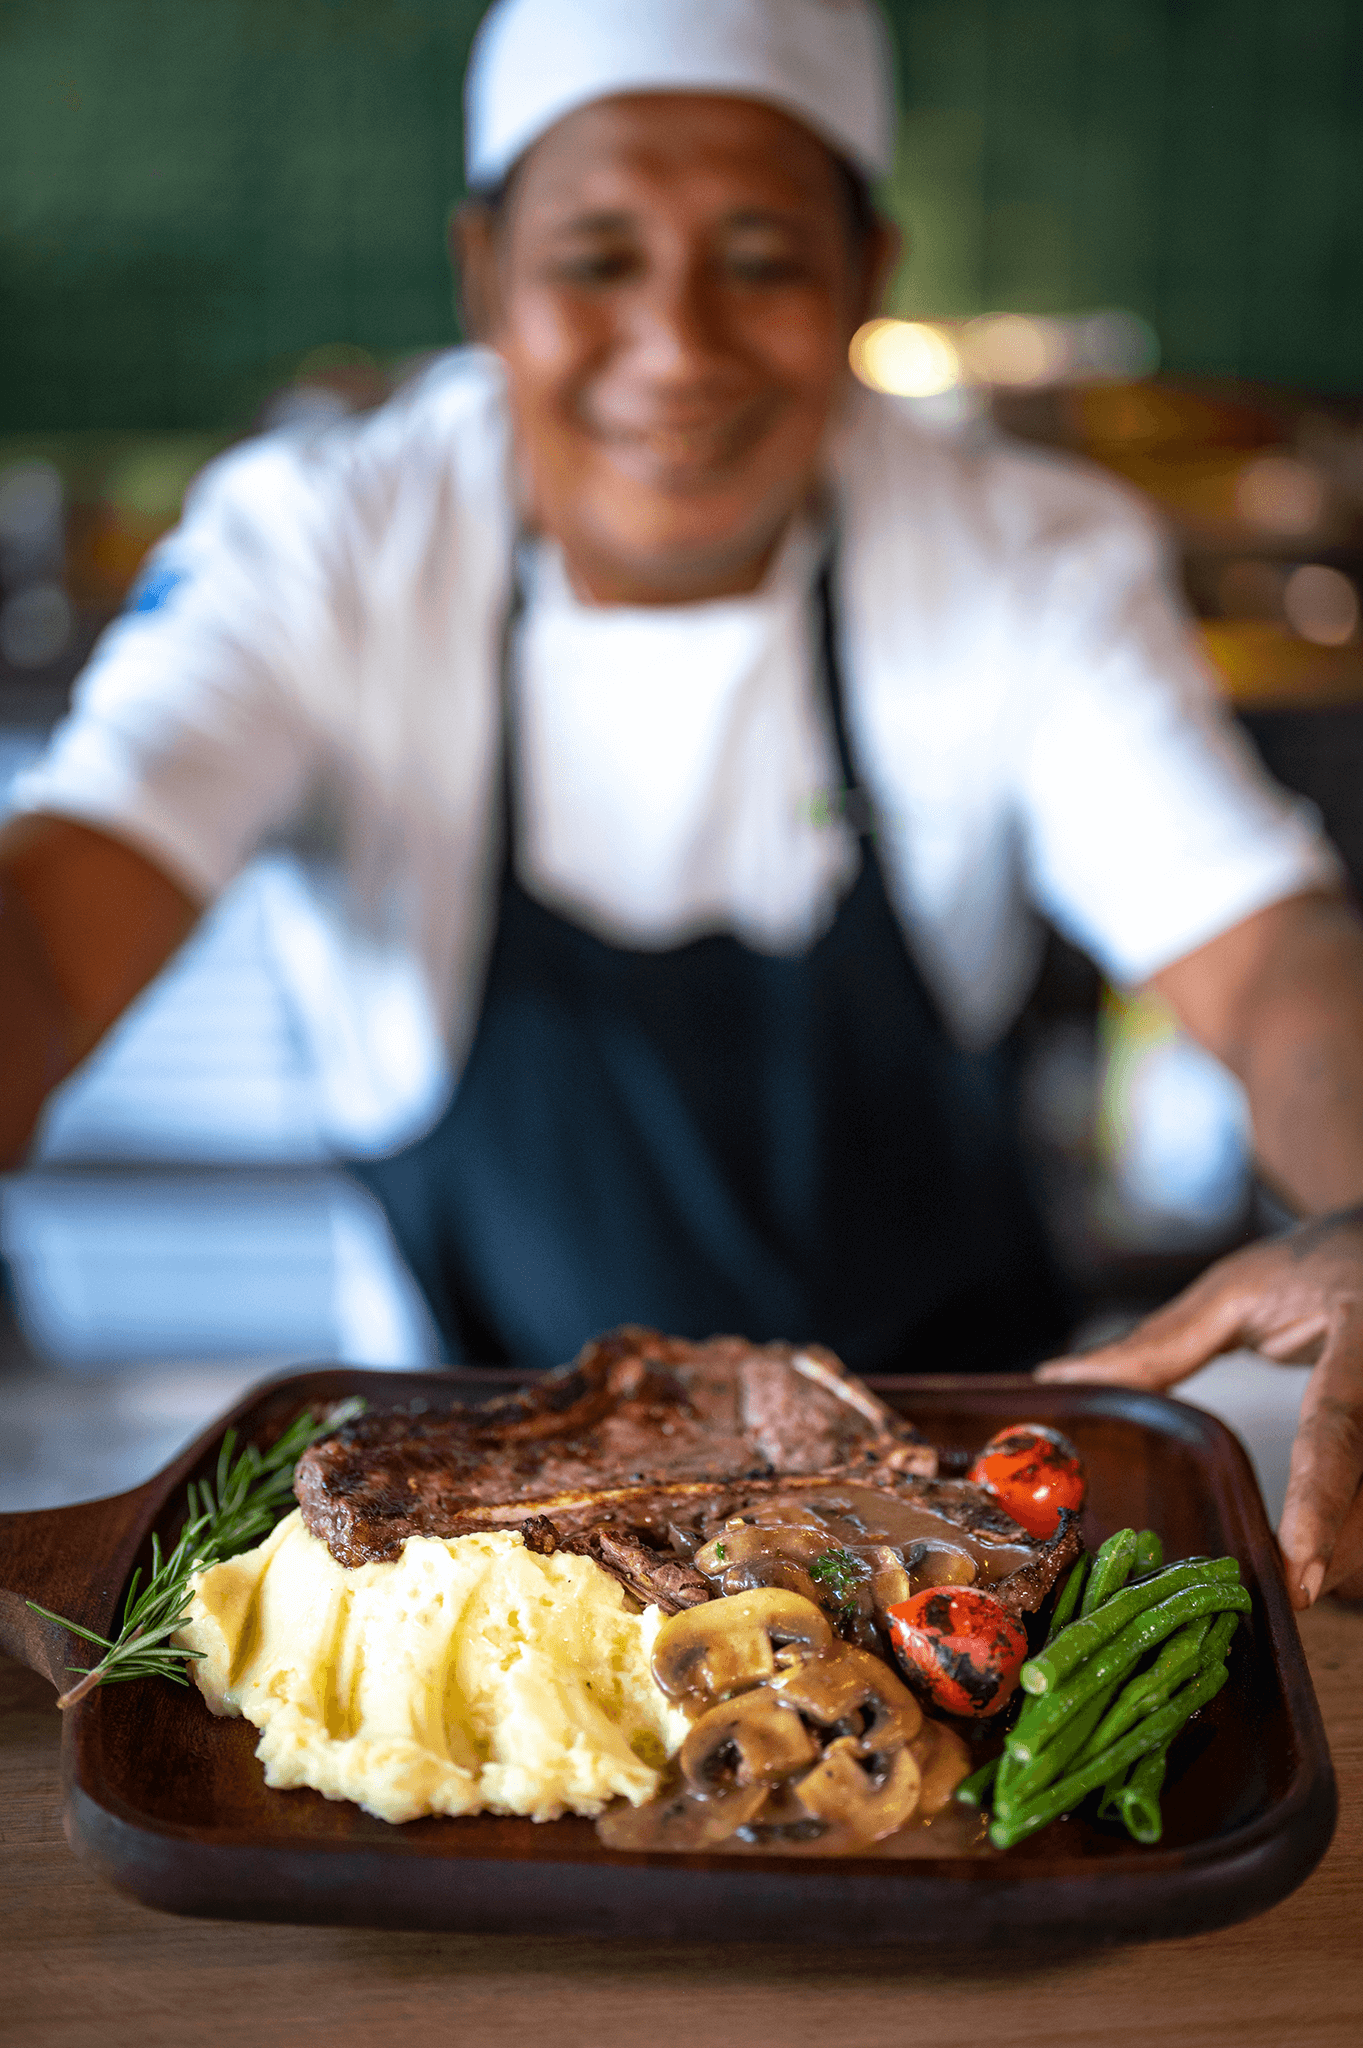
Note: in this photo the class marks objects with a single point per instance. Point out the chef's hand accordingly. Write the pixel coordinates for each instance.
(1296, 1299)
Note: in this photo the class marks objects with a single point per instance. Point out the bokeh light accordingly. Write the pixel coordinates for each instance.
(1280, 494)
(907, 357)
(1013, 349)
(926, 358)
(1321, 604)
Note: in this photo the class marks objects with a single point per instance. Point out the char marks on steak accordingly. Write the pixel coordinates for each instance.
(634, 1407)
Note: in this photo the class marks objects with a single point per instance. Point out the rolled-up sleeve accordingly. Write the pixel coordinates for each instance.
(1148, 824)
(189, 735)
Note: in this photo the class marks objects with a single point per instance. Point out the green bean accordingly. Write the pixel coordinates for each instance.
(1156, 1732)
(1178, 1659)
(1064, 1609)
(1138, 1800)
(1219, 1637)
(1081, 1639)
(1031, 1778)
(1111, 1569)
(1069, 1596)
(1149, 1552)
(974, 1790)
(1119, 1655)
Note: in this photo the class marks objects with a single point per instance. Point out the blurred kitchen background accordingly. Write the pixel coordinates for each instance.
(1134, 228)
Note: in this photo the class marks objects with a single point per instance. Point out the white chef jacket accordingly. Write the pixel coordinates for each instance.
(314, 658)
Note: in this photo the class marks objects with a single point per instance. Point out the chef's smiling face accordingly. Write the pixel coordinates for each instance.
(671, 281)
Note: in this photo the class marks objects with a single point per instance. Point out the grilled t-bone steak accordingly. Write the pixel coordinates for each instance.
(645, 1448)
(634, 1406)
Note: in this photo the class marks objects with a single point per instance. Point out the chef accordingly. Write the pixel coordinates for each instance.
(675, 746)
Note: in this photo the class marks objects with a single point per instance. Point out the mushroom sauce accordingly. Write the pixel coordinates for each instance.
(667, 1825)
(854, 1551)
(859, 1518)
(806, 1741)
(800, 1741)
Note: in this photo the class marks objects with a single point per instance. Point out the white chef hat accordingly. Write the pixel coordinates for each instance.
(827, 62)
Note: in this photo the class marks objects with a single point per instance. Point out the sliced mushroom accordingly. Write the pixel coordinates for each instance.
(858, 1693)
(806, 1558)
(890, 1583)
(869, 1804)
(944, 1762)
(751, 1740)
(748, 1540)
(769, 1569)
(726, 1646)
(940, 1564)
(791, 1511)
(681, 1822)
(781, 1818)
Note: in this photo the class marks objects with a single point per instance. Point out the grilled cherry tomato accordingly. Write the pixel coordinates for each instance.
(962, 1644)
(1032, 1472)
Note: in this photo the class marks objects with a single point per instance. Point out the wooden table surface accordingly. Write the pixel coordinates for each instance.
(80, 1965)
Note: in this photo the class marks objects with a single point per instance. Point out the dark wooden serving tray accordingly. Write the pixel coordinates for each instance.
(170, 1805)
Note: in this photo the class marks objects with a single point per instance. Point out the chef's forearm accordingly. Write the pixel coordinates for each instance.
(1280, 1001)
(37, 1030)
(1305, 1086)
(86, 920)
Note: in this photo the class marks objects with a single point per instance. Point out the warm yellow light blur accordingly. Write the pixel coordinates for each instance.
(905, 356)
(1321, 604)
(1012, 348)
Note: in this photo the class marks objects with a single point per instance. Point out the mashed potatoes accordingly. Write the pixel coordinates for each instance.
(466, 1675)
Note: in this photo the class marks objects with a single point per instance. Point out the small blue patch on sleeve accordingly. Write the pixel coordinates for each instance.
(151, 591)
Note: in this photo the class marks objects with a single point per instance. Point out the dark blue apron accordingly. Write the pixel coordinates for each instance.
(710, 1139)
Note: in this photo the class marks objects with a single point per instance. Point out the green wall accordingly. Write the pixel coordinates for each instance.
(1200, 161)
(195, 192)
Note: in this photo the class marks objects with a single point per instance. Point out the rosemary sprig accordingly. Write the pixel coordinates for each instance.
(227, 1513)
